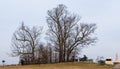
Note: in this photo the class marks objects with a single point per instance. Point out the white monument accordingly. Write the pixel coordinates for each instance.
(116, 58)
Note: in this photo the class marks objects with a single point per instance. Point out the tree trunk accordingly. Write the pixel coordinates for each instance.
(33, 56)
(68, 57)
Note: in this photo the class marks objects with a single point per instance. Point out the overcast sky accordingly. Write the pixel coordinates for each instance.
(105, 13)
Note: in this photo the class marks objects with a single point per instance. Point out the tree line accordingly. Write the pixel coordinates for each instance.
(66, 36)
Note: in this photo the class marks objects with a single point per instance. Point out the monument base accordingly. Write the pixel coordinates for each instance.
(116, 63)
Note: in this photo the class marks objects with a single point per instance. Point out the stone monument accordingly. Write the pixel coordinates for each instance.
(116, 58)
(116, 63)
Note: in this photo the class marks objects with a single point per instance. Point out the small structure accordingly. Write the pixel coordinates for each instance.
(3, 61)
(109, 61)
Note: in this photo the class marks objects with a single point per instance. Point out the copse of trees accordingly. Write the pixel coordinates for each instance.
(66, 37)
(66, 33)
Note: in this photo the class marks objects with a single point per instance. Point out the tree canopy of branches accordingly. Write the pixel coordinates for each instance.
(25, 41)
(66, 33)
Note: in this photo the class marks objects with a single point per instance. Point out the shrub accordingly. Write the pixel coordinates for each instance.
(101, 62)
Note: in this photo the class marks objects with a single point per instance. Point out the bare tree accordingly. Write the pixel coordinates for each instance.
(25, 40)
(66, 33)
(45, 54)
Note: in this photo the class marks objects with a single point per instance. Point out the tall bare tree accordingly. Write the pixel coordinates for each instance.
(66, 33)
(25, 40)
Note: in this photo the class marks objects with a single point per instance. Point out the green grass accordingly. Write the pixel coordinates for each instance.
(69, 65)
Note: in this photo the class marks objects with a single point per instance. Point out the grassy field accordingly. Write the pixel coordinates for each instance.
(73, 65)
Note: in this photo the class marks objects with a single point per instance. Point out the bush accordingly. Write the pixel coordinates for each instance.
(101, 62)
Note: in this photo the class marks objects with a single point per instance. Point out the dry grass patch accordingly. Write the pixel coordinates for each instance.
(74, 65)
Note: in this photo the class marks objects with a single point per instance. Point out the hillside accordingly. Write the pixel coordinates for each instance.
(73, 65)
